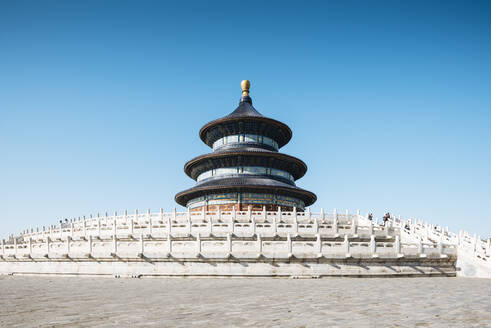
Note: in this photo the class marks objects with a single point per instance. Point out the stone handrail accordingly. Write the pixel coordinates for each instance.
(154, 222)
(474, 246)
(220, 247)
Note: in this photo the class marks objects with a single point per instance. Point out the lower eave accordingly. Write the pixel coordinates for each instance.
(307, 197)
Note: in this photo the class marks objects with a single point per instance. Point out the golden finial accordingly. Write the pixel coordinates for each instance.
(245, 85)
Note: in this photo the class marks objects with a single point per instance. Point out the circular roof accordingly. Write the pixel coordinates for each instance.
(245, 119)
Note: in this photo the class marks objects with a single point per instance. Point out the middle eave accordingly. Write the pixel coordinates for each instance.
(296, 167)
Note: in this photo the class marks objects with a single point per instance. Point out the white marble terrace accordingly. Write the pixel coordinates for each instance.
(224, 235)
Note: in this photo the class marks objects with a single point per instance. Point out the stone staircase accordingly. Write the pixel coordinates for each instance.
(473, 253)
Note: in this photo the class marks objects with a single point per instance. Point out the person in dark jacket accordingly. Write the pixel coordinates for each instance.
(386, 218)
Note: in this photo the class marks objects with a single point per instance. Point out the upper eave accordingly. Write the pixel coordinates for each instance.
(231, 125)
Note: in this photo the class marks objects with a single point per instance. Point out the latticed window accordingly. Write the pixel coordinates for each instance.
(245, 138)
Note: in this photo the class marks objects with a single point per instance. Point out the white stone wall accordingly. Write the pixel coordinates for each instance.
(199, 268)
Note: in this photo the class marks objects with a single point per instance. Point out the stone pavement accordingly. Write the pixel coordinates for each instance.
(258, 302)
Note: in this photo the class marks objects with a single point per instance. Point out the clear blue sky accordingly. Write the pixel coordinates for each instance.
(389, 102)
